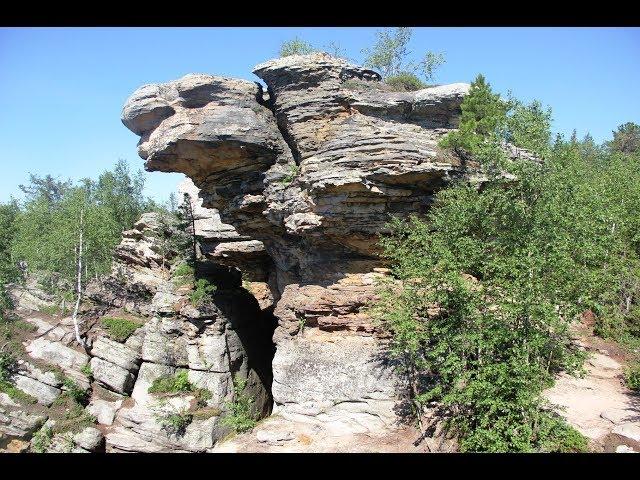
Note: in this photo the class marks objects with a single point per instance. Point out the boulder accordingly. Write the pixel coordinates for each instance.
(116, 353)
(112, 376)
(43, 393)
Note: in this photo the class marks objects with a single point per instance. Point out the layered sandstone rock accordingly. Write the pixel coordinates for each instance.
(312, 170)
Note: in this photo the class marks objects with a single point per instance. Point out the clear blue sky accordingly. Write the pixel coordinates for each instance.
(62, 89)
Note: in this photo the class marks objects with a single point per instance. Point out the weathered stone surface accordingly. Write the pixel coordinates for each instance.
(220, 242)
(71, 361)
(116, 353)
(103, 410)
(112, 376)
(342, 382)
(16, 423)
(140, 269)
(90, 439)
(29, 370)
(30, 296)
(17, 446)
(57, 354)
(629, 431)
(43, 393)
(311, 181)
(141, 429)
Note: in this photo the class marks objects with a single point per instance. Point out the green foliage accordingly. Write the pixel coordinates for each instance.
(632, 376)
(295, 47)
(335, 50)
(183, 274)
(73, 391)
(430, 63)
(240, 416)
(175, 423)
(626, 139)
(490, 282)
(202, 396)
(86, 370)
(178, 383)
(202, 292)
(42, 439)
(291, 174)
(45, 229)
(529, 126)
(120, 329)
(390, 55)
(482, 122)
(405, 82)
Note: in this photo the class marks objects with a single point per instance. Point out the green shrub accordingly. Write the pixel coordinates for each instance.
(632, 376)
(291, 174)
(72, 391)
(239, 416)
(183, 274)
(405, 82)
(7, 363)
(120, 329)
(86, 369)
(177, 383)
(175, 423)
(202, 396)
(42, 439)
(484, 289)
(295, 47)
(202, 292)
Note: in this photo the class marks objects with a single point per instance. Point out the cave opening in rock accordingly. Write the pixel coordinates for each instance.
(254, 328)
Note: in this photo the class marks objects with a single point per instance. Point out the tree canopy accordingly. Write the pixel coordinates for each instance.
(488, 284)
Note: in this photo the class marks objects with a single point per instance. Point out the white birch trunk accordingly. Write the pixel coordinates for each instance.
(79, 286)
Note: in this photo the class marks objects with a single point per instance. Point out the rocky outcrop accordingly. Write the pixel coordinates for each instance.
(215, 341)
(310, 171)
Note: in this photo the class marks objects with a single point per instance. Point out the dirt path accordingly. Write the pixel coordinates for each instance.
(599, 405)
(278, 435)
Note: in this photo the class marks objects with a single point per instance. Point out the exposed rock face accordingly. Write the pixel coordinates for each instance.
(226, 336)
(311, 171)
(140, 268)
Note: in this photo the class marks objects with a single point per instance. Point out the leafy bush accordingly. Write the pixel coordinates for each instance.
(175, 423)
(390, 53)
(632, 377)
(405, 82)
(7, 362)
(239, 416)
(42, 439)
(73, 391)
(120, 329)
(203, 290)
(291, 174)
(487, 285)
(86, 369)
(177, 383)
(295, 47)
(183, 274)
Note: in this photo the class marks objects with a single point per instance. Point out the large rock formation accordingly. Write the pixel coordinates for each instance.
(311, 171)
(214, 342)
